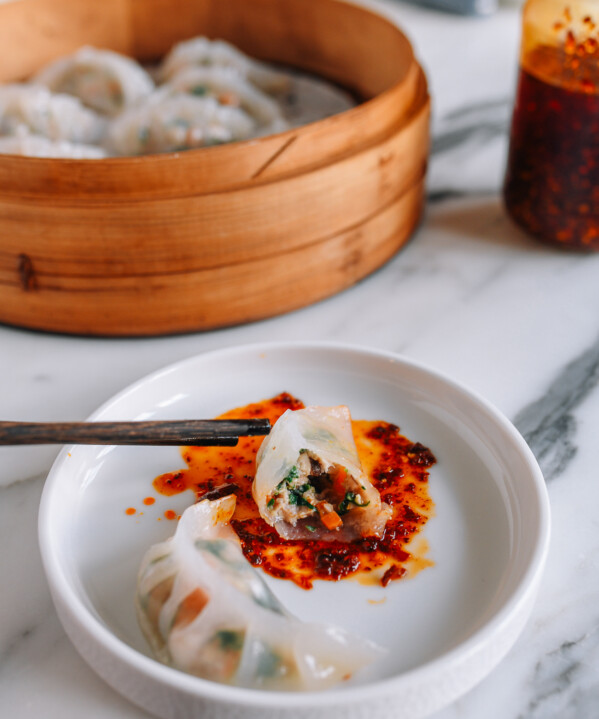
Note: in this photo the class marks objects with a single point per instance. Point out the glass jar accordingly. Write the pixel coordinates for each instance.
(552, 180)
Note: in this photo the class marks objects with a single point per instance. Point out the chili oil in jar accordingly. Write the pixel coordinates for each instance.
(552, 180)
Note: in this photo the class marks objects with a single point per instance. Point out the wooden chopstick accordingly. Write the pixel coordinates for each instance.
(189, 432)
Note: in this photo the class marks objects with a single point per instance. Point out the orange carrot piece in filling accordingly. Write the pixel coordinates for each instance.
(190, 607)
(339, 477)
(329, 517)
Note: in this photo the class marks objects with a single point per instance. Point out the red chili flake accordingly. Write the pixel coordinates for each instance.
(587, 85)
(420, 455)
(337, 564)
(394, 572)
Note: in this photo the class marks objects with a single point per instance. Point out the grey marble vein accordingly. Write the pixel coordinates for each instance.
(466, 143)
(476, 122)
(13, 481)
(548, 425)
(11, 644)
(26, 599)
(40, 640)
(564, 683)
(483, 106)
(447, 194)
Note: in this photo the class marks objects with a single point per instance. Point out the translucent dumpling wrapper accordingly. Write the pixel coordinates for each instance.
(168, 123)
(206, 611)
(202, 52)
(309, 480)
(35, 146)
(230, 88)
(36, 110)
(104, 80)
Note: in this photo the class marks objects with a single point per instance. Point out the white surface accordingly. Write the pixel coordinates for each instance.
(443, 629)
(471, 296)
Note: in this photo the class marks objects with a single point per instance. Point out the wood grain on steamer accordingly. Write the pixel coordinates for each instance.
(217, 236)
(245, 224)
(182, 301)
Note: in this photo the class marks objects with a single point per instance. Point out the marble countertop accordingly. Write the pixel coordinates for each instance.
(471, 296)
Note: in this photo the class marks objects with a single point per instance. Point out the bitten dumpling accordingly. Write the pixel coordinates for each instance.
(36, 110)
(202, 52)
(309, 481)
(172, 123)
(104, 80)
(206, 611)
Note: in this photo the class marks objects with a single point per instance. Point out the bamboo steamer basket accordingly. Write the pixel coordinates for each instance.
(217, 236)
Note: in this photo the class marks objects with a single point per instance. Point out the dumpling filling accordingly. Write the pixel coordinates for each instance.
(317, 491)
(309, 480)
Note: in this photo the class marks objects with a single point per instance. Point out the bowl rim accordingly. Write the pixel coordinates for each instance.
(515, 603)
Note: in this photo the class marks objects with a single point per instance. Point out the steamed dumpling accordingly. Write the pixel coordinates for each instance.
(107, 104)
(36, 146)
(202, 52)
(174, 123)
(104, 80)
(36, 110)
(206, 611)
(229, 88)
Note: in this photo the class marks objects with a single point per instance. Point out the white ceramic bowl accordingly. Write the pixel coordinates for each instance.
(444, 629)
